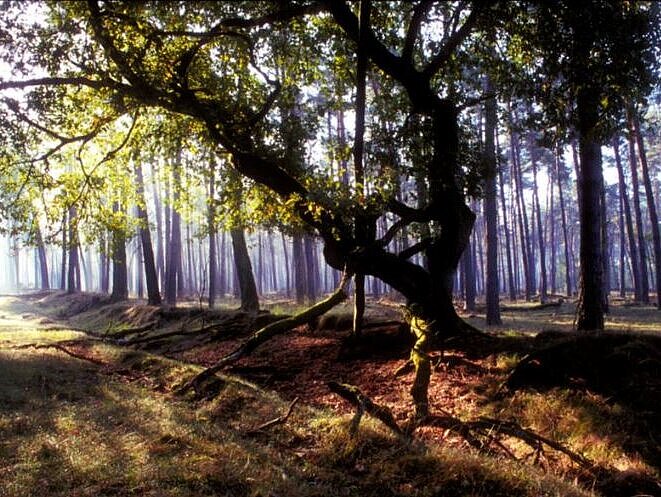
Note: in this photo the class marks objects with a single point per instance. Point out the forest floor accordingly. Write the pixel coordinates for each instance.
(87, 404)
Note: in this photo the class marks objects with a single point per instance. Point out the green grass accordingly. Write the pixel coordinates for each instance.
(67, 429)
(70, 428)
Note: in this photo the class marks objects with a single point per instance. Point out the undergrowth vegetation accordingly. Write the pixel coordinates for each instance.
(102, 420)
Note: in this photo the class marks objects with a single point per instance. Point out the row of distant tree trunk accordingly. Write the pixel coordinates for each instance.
(536, 249)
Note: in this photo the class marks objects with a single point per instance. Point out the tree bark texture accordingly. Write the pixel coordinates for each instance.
(590, 311)
(247, 286)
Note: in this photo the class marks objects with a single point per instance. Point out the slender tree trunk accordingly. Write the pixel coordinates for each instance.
(119, 267)
(173, 267)
(63, 265)
(211, 223)
(136, 273)
(623, 283)
(104, 262)
(552, 235)
(285, 252)
(633, 251)
(651, 205)
(260, 265)
(538, 218)
(642, 251)
(590, 311)
(560, 167)
(72, 281)
(158, 214)
(274, 267)
(469, 279)
(521, 211)
(246, 279)
(605, 260)
(491, 209)
(190, 284)
(312, 273)
(511, 286)
(361, 229)
(223, 283)
(519, 283)
(298, 257)
(151, 276)
(43, 262)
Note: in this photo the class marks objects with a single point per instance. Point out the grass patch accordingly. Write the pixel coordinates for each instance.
(72, 427)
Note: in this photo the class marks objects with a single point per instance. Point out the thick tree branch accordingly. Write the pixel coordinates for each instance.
(392, 231)
(114, 54)
(409, 214)
(415, 248)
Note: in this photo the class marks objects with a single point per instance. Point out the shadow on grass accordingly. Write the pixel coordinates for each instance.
(607, 383)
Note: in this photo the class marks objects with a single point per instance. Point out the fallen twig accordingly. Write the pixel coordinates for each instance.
(61, 348)
(278, 420)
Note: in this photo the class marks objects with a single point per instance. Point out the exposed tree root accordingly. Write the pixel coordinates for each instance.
(59, 346)
(230, 325)
(364, 404)
(484, 434)
(270, 331)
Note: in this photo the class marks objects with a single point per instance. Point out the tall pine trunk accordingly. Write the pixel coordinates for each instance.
(624, 198)
(119, 266)
(491, 209)
(524, 233)
(560, 168)
(173, 266)
(651, 204)
(244, 273)
(511, 285)
(538, 218)
(211, 225)
(642, 249)
(359, 174)
(590, 311)
(43, 262)
(298, 261)
(73, 281)
(151, 276)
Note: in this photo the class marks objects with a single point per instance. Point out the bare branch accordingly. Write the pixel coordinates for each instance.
(455, 39)
(277, 421)
(97, 84)
(414, 28)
